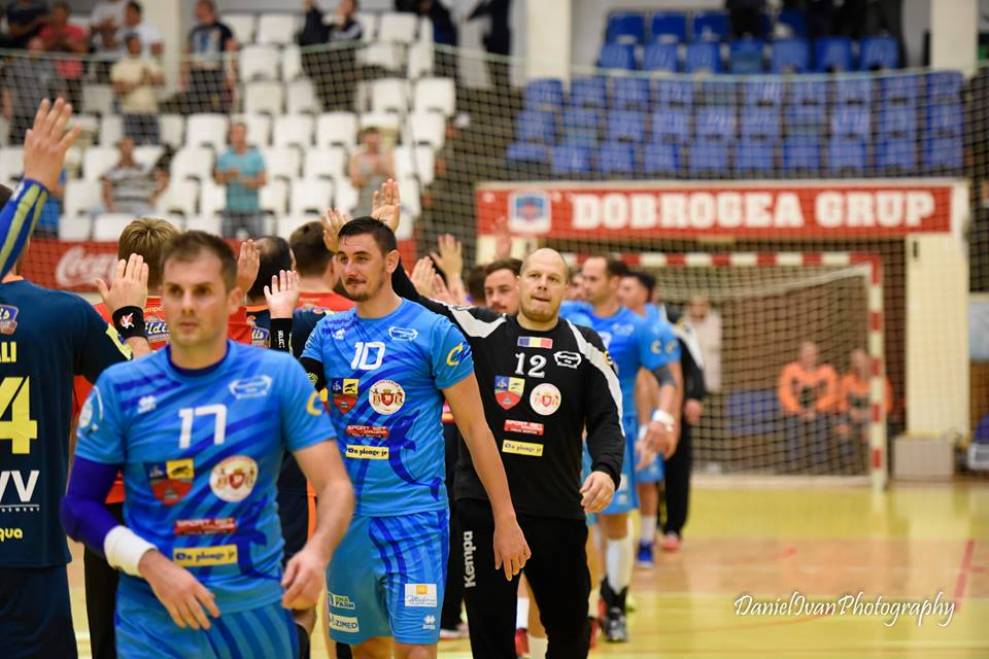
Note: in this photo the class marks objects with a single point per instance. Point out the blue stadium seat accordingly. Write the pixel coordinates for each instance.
(716, 123)
(708, 157)
(626, 27)
(526, 152)
(789, 56)
(899, 89)
(833, 54)
(703, 56)
(809, 92)
(746, 56)
(671, 125)
(615, 158)
(944, 119)
(760, 122)
(535, 126)
(589, 92)
(764, 91)
(582, 125)
(629, 93)
(661, 159)
(617, 56)
(794, 19)
(944, 85)
(721, 90)
(897, 121)
(661, 57)
(853, 90)
(847, 154)
(668, 27)
(877, 53)
(544, 94)
(807, 120)
(943, 155)
(570, 159)
(801, 154)
(626, 125)
(674, 93)
(755, 157)
(710, 26)
(896, 156)
(849, 120)
(753, 412)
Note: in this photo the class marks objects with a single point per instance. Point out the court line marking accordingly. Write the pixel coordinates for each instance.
(963, 570)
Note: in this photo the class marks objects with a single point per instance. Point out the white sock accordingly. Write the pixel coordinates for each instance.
(618, 560)
(537, 647)
(592, 601)
(648, 529)
(522, 613)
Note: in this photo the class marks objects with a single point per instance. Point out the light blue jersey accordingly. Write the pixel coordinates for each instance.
(657, 319)
(200, 453)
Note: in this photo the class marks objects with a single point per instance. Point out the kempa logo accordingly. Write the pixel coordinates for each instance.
(470, 577)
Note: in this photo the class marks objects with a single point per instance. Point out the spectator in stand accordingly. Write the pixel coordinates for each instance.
(64, 38)
(242, 170)
(150, 35)
(498, 38)
(208, 71)
(807, 394)
(444, 33)
(706, 325)
(134, 80)
(128, 187)
(26, 82)
(855, 410)
(105, 23)
(370, 166)
(25, 18)
(746, 18)
(333, 70)
(51, 212)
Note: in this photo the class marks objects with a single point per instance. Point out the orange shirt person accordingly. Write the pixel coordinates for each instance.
(806, 388)
(853, 400)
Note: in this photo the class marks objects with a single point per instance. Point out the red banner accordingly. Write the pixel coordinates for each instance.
(782, 210)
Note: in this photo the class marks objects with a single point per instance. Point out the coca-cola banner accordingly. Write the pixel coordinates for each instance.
(757, 209)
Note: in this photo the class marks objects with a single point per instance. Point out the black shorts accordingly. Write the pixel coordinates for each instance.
(296, 508)
(35, 614)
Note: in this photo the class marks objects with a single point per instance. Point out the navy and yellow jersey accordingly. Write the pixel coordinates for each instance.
(46, 338)
(385, 377)
(17, 220)
(200, 452)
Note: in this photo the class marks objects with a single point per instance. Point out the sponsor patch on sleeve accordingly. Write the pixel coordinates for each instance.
(522, 448)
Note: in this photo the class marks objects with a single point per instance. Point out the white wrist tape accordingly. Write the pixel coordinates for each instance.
(664, 417)
(642, 432)
(124, 548)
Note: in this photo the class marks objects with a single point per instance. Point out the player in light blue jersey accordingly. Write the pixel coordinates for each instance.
(389, 364)
(636, 348)
(198, 430)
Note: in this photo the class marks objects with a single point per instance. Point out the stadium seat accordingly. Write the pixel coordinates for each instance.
(415, 162)
(533, 126)
(764, 91)
(582, 126)
(944, 85)
(368, 21)
(88, 123)
(709, 26)
(755, 157)
(243, 26)
(570, 159)
(111, 129)
(384, 121)
(11, 163)
(97, 161)
(804, 120)
(877, 53)
(277, 28)
(851, 121)
(703, 56)
(181, 196)
(411, 203)
(291, 63)
(207, 130)
(273, 198)
(752, 412)
(212, 199)
(97, 99)
(80, 198)
(192, 162)
(258, 128)
(760, 123)
(900, 89)
(668, 27)
(671, 125)
(897, 121)
(310, 196)
(801, 154)
(326, 161)
(625, 27)
(794, 20)
(300, 96)
(661, 57)
(264, 97)
(809, 92)
(390, 95)
(746, 56)
(544, 94)
(336, 128)
(626, 126)
(435, 95)
(617, 56)
(615, 159)
(421, 61)
(847, 155)
(149, 154)
(674, 93)
(345, 196)
(426, 128)
(397, 27)
(716, 123)
(661, 159)
(258, 62)
(789, 56)
(522, 153)
(293, 130)
(708, 157)
(630, 93)
(832, 54)
(944, 119)
(588, 92)
(107, 227)
(897, 156)
(172, 128)
(853, 89)
(385, 55)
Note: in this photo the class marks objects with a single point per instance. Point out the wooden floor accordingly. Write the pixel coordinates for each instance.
(911, 543)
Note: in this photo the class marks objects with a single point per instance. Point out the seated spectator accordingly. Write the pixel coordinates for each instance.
(208, 72)
(134, 80)
(242, 170)
(128, 187)
(807, 393)
(855, 408)
(332, 70)
(47, 226)
(134, 23)
(25, 18)
(26, 82)
(706, 324)
(60, 37)
(105, 23)
(370, 166)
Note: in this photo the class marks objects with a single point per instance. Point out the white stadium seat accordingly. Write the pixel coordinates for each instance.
(282, 162)
(415, 162)
(258, 62)
(108, 226)
(336, 128)
(263, 97)
(172, 130)
(212, 200)
(386, 55)
(385, 121)
(242, 25)
(277, 28)
(390, 95)
(408, 189)
(148, 155)
(284, 226)
(291, 63)
(89, 124)
(274, 197)
(397, 27)
(436, 95)
(426, 128)
(11, 163)
(208, 223)
(345, 196)
(80, 199)
(368, 21)
(300, 96)
(111, 129)
(207, 130)
(192, 162)
(97, 161)
(180, 196)
(258, 128)
(328, 162)
(97, 99)
(420, 60)
(426, 31)
(294, 129)
(75, 228)
(310, 196)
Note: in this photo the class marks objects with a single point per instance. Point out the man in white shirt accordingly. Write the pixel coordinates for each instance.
(134, 80)
(706, 324)
(134, 23)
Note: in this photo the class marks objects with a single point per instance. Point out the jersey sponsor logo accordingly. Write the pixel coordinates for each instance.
(23, 490)
(8, 319)
(206, 526)
(170, 481)
(508, 390)
(344, 623)
(420, 595)
(387, 397)
(205, 556)
(8, 352)
(146, 404)
(524, 427)
(522, 448)
(314, 405)
(361, 452)
(233, 479)
(259, 336)
(403, 333)
(470, 576)
(378, 432)
(622, 330)
(535, 342)
(156, 330)
(453, 357)
(341, 602)
(256, 387)
(11, 534)
(345, 391)
(545, 399)
(567, 359)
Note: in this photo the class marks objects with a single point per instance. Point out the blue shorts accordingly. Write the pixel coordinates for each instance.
(387, 578)
(146, 632)
(626, 498)
(651, 473)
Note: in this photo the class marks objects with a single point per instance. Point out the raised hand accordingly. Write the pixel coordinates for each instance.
(386, 205)
(248, 265)
(47, 142)
(332, 221)
(422, 276)
(283, 295)
(503, 239)
(129, 286)
(450, 257)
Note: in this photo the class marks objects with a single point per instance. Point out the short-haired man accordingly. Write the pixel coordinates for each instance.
(808, 394)
(318, 282)
(209, 73)
(501, 285)
(134, 78)
(241, 168)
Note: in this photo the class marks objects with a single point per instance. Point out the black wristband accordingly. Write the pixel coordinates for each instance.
(129, 322)
(281, 334)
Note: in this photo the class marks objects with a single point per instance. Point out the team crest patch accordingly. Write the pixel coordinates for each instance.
(8, 319)
(233, 479)
(545, 399)
(386, 396)
(345, 391)
(170, 481)
(508, 390)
